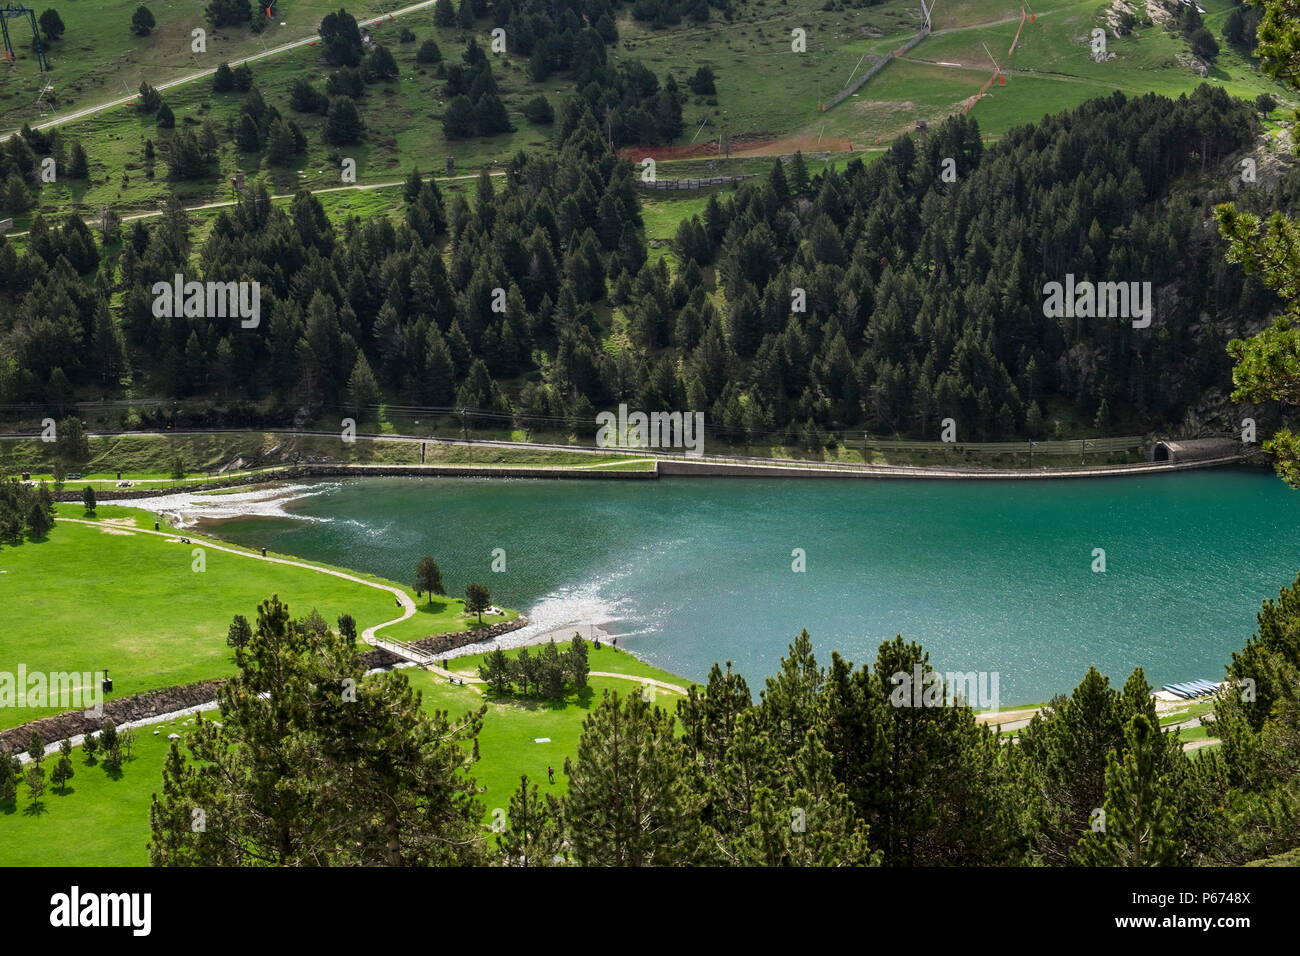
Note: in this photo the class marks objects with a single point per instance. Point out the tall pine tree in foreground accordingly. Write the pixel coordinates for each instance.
(532, 836)
(313, 763)
(1139, 820)
(628, 803)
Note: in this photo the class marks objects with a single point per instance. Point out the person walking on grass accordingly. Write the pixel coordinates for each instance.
(550, 773)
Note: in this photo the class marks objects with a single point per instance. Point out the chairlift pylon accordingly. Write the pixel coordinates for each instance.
(12, 11)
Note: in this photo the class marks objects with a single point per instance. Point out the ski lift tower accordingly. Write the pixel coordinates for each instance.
(12, 11)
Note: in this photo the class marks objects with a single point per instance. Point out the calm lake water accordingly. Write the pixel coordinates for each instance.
(988, 576)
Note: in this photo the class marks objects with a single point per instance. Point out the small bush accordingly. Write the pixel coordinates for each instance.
(539, 111)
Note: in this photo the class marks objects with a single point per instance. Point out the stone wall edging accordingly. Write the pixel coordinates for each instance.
(150, 703)
(441, 643)
(72, 723)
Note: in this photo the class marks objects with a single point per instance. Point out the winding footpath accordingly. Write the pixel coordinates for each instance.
(227, 203)
(415, 656)
(643, 681)
(368, 635)
(419, 658)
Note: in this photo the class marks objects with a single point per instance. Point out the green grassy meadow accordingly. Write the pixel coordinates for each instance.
(508, 745)
(98, 58)
(104, 821)
(101, 820)
(90, 598)
(763, 90)
(148, 459)
(403, 120)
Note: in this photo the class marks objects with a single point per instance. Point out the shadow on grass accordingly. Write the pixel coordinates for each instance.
(580, 698)
(35, 809)
(476, 624)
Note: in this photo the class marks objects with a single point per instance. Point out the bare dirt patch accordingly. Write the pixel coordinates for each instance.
(740, 147)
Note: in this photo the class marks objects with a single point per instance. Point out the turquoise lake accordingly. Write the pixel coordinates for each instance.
(988, 576)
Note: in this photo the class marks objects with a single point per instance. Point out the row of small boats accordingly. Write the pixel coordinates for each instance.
(1192, 689)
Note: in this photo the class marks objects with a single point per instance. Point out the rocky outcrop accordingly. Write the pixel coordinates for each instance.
(378, 657)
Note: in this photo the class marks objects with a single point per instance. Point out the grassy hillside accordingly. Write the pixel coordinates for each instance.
(763, 90)
(103, 820)
(766, 90)
(90, 598)
(147, 459)
(403, 120)
(98, 58)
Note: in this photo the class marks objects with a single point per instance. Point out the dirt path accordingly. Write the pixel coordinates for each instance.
(675, 688)
(191, 77)
(227, 203)
(1019, 720)
(471, 681)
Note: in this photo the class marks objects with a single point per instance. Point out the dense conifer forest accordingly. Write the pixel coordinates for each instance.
(881, 298)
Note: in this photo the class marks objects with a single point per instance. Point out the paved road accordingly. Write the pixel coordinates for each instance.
(723, 463)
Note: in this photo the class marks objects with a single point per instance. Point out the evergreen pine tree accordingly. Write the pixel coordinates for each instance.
(533, 836)
(628, 803)
(1137, 828)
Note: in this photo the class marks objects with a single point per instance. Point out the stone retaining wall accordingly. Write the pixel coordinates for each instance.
(441, 643)
(140, 707)
(378, 657)
(687, 467)
(463, 471)
(136, 707)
